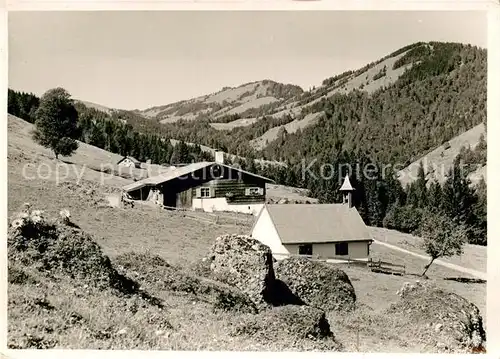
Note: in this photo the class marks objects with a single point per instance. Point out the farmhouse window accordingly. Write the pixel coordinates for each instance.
(341, 249)
(254, 191)
(205, 192)
(306, 249)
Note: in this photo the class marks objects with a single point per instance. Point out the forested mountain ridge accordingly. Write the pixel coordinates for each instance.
(441, 96)
(230, 103)
(431, 93)
(414, 99)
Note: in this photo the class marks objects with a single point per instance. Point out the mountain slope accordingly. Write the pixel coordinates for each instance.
(96, 106)
(442, 95)
(394, 110)
(96, 164)
(439, 161)
(244, 99)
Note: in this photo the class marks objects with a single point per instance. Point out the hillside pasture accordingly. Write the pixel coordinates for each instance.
(291, 127)
(275, 192)
(255, 103)
(438, 162)
(366, 81)
(242, 122)
(474, 256)
(228, 101)
(181, 239)
(87, 157)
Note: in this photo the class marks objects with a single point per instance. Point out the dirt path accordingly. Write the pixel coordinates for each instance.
(472, 272)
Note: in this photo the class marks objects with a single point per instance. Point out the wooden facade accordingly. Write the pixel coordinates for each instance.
(235, 191)
(220, 182)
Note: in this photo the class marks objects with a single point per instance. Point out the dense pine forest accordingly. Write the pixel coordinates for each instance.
(442, 95)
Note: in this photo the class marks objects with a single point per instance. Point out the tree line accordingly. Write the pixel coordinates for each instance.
(383, 202)
(441, 97)
(96, 128)
(379, 198)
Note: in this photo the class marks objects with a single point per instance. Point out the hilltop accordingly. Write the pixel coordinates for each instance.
(415, 98)
(243, 101)
(97, 106)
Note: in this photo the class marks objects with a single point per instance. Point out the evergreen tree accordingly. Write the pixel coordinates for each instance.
(184, 152)
(479, 210)
(435, 195)
(180, 153)
(421, 187)
(250, 164)
(459, 198)
(96, 135)
(12, 103)
(85, 126)
(108, 131)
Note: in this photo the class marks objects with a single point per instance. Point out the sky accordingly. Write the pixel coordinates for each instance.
(135, 60)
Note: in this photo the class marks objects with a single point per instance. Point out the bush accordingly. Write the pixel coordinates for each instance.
(380, 74)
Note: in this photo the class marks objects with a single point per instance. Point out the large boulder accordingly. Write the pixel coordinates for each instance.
(292, 324)
(316, 283)
(245, 263)
(443, 321)
(152, 269)
(57, 248)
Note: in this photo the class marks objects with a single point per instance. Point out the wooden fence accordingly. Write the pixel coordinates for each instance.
(341, 260)
(386, 267)
(220, 218)
(198, 216)
(378, 266)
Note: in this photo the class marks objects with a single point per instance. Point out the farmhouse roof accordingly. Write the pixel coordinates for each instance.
(317, 223)
(133, 159)
(177, 172)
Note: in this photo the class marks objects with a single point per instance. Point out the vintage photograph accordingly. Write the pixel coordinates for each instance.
(247, 180)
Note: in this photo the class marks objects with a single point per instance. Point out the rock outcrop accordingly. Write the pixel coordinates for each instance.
(444, 321)
(150, 268)
(299, 322)
(317, 284)
(245, 263)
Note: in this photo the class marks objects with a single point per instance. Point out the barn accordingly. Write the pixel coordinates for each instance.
(208, 186)
(324, 230)
(129, 161)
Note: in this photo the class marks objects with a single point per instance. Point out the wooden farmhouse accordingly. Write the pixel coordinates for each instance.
(129, 161)
(208, 186)
(324, 230)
